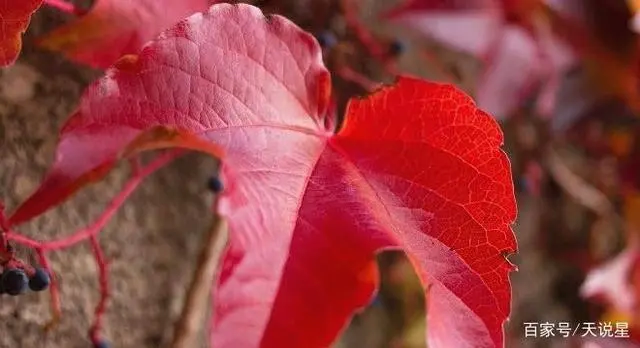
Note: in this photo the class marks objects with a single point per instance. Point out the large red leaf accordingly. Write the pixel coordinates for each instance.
(485, 29)
(416, 166)
(114, 28)
(14, 19)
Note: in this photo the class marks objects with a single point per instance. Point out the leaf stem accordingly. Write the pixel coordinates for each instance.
(65, 7)
(190, 323)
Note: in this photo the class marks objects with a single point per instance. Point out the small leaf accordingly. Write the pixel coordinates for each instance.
(113, 28)
(482, 29)
(453, 22)
(416, 167)
(611, 281)
(600, 35)
(14, 19)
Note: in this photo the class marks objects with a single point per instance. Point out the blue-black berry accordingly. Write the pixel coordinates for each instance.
(397, 47)
(326, 39)
(14, 281)
(522, 184)
(40, 280)
(377, 301)
(102, 343)
(215, 184)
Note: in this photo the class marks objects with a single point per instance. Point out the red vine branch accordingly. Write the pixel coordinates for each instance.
(102, 220)
(378, 51)
(56, 311)
(65, 7)
(350, 10)
(103, 271)
(351, 75)
(7, 254)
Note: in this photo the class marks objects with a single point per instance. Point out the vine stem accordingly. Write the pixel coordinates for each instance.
(350, 10)
(103, 278)
(379, 51)
(56, 310)
(89, 233)
(585, 194)
(351, 75)
(102, 220)
(578, 188)
(189, 325)
(436, 63)
(65, 7)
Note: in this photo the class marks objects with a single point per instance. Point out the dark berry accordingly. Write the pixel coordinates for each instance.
(397, 47)
(101, 344)
(215, 184)
(40, 280)
(377, 301)
(326, 39)
(521, 184)
(14, 281)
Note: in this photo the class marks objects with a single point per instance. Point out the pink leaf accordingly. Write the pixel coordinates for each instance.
(518, 57)
(452, 22)
(113, 28)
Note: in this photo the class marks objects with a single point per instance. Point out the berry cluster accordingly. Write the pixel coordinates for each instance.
(14, 281)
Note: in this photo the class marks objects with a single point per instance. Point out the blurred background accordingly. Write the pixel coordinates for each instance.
(561, 76)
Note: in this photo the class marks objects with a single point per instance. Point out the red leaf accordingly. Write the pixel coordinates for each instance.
(482, 29)
(416, 166)
(114, 28)
(14, 19)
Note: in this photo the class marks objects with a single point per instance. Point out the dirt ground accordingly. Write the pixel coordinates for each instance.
(152, 242)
